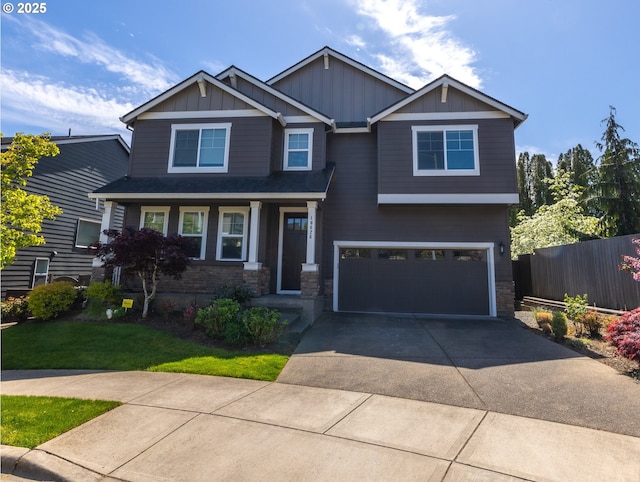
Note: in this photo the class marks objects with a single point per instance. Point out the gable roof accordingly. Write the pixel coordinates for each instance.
(59, 140)
(329, 52)
(235, 71)
(199, 77)
(447, 81)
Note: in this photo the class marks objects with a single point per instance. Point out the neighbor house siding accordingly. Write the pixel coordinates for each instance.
(341, 92)
(495, 150)
(249, 147)
(80, 168)
(351, 212)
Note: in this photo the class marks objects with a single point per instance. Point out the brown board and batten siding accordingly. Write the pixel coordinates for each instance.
(249, 147)
(190, 99)
(342, 91)
(271, 101)
(495, 152)
(351, 212)
(81, 167)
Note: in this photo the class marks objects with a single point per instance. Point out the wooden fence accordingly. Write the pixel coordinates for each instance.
(589, 267)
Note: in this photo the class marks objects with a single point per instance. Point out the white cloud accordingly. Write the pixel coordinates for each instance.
(36, 100)
(423, 48)
(356, 41)
(150, 77)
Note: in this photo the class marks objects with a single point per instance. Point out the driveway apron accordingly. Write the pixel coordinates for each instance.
(483, 363)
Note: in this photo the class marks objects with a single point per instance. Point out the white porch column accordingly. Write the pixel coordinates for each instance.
(312, 207)
(254, 232)
(107, 223)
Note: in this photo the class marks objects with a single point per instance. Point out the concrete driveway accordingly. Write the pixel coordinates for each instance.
(484, 363)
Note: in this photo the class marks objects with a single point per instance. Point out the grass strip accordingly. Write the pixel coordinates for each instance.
(31, 421)
(125, 346)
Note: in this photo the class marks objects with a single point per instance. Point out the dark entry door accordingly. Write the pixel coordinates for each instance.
(294, 249)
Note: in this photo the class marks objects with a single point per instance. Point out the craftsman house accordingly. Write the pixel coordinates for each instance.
(85, 163)
(330, 180)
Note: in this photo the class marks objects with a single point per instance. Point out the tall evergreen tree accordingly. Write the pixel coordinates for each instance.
(579, 163)
(617, 189)
(533, 188)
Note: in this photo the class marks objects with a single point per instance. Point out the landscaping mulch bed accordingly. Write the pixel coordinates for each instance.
(596, 348)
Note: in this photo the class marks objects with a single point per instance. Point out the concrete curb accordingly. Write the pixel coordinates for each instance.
(39, 465)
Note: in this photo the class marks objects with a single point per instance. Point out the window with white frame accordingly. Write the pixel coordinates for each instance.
(87, 233)
(298, 149)
(155, 217)
(232, 234)
(199, 147)
(445, 150)
(40, 272)
(193, 225)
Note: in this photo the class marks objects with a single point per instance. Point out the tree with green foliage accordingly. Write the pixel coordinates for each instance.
(22, 214)
(532, 173)
(579, 163)
(616, 192)
(563, 222)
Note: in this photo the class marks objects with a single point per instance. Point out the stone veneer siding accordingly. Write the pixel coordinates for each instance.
(257, 281)
(505, 298)
(196, 279)
(310, 284)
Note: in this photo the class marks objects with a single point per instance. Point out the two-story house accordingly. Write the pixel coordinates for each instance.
(330, 179)
(84, 164)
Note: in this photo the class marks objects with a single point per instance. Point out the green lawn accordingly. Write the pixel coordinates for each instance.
(31, 421)
(122, 346)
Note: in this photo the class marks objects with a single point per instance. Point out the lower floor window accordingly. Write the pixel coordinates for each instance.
(193, 225)
(232, 234)
(40, 271)
(87, 233)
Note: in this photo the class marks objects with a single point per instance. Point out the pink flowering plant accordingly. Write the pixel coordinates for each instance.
(624, 334)
(631, 264)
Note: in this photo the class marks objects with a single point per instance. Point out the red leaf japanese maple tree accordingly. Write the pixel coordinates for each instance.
(147, 253)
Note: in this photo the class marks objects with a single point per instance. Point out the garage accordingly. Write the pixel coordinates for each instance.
(453, 279)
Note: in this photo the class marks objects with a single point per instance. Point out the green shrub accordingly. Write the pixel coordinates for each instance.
(235, 333)
(238, 293)
(49, 300)
(263, 325)
(576, 306)
(15, 309)
(104, 292)
(218, 316)
(559, 325)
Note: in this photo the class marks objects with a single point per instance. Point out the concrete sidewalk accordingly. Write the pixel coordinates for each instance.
(189, 427)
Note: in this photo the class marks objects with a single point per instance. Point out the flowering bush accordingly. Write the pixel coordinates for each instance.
(15, 309)
(631, 264)
(624, 334)
(190, 312)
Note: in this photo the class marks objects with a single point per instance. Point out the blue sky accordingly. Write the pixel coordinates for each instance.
(83, 64)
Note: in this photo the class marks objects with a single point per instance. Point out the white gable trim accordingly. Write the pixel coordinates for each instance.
(445, 79)
(233, 71)
(357, 65)
(481, 198)
(202, 114)
(199, 77)
(444, 116)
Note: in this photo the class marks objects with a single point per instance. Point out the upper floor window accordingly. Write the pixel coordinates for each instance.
(298, 149)
(199, 147)
(445, 151)
(193, 225)
(155, 217)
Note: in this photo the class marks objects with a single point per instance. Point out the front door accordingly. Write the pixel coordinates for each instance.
(294, 249)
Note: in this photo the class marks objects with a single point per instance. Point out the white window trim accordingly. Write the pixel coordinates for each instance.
(285, 161)
(245, 231)
(205, 224)
(196, 169)
(46, 274)
(156, 209)
(86, 220)
(445, 172)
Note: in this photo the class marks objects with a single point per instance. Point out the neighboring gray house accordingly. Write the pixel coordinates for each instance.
(331, 179)
(84, 164)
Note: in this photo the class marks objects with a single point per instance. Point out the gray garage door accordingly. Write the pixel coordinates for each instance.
(439, 281)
